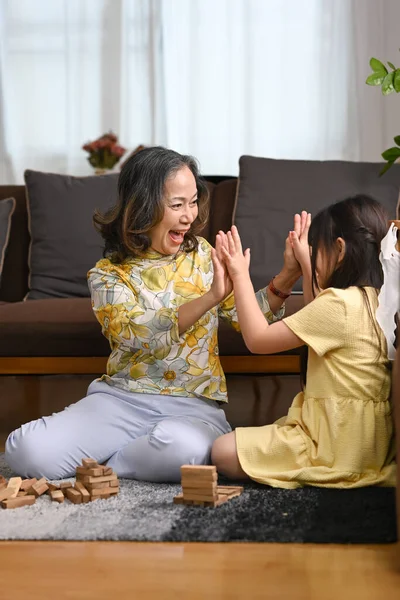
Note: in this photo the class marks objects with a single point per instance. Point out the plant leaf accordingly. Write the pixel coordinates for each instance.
(391, 154)
(396, 80)
(375, 79)
(377, 66)
(397, 140)
(391, 65)
(386, 168)
(387, 85)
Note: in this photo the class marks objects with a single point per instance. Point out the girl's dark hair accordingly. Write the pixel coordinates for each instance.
(362, 223)
(140, 205)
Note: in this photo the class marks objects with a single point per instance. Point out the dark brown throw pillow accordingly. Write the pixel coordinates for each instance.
(64, 242)
(271, 191)
(7, 208)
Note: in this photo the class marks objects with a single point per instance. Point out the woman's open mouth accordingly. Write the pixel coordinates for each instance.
(177, 236)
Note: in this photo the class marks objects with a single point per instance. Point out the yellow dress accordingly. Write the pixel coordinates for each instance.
(339, 430)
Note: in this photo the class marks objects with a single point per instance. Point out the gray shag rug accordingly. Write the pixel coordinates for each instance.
(145, 512)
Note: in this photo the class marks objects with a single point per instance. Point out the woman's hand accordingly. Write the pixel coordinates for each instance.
(299, 239)
(222, 285)
(236, 261)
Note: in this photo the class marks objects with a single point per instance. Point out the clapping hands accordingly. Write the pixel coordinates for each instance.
(298, 238)
(229, 262)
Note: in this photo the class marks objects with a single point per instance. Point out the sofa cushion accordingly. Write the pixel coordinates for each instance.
(7, 208)
(51, 327)
(14, 280)
(68, 327)
(271, 191)
(231, 343)
(64, 242)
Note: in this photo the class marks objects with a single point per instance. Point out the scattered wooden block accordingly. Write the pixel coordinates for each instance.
(199, 487)
(206, 471)
(89, 463)
(6, 493)
(39, 488)
(86, 479)
(14, 483)
(93, 481)
(18, 502)
(98, 486)
(57, 496)
(92, 472)
(83, 492)
(52, 487)
(73, 495)
(27, 483)
(107, 491)
(64, 485)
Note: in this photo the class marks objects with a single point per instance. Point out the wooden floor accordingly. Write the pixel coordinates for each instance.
(129, 570)
(86, 570)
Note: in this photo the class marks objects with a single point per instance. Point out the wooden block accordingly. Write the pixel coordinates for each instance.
(101, 485)
(89, 463)
(200, 496)
(222, 489)
(64, 485)
(14, 483)
(199, 484)
(395, 222)
(93, 472)
(107, 471)
(39, 488)
(27, 483)
(100, 491)
(103, 496)
(21, 493)
(83, 491)
(207, 471)
(57, 496)
(179, 499)
(18, 502)
(73, 495)
(52, 487)
(114, 483)
(86, 479)
(3, 484)
(6, 493)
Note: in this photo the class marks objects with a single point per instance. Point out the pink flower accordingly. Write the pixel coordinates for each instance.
(117, 150)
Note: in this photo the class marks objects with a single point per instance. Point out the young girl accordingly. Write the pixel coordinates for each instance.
(339, 429)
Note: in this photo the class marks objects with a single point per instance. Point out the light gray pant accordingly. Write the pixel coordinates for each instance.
(141, 436)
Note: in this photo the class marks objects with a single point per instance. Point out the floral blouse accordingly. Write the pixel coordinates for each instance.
(137, 302)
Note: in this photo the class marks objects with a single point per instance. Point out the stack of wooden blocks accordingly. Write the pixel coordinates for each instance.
(93, 481)
(200, 487)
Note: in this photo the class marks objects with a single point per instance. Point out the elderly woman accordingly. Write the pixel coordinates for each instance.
(158, 295)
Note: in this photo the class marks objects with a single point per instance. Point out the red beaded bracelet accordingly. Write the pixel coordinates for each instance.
(277, 292)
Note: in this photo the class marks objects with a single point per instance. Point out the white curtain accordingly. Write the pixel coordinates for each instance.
(70, 71)
(213, 78)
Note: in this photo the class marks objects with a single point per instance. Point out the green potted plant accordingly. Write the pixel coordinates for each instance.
(389, 80)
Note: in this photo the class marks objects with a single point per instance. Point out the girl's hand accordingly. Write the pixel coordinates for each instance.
(298, 238)
(236, 261)
(291, 265)
(222, 285)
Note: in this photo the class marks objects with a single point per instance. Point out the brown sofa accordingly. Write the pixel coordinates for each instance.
(58, 338)
(61, 335)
